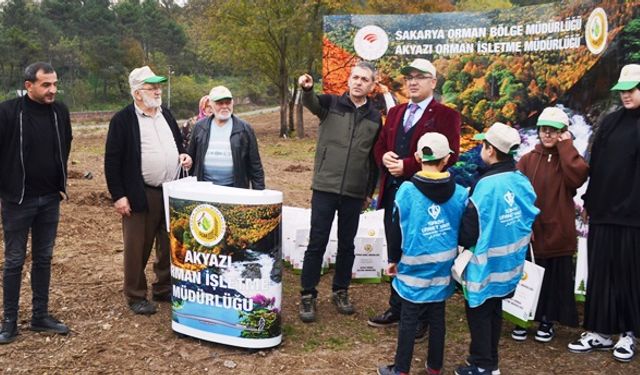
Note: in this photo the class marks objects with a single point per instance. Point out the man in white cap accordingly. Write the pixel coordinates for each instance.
(144, 148)
(496, 227)
(395, 148)
(612, 304)
(224, 147)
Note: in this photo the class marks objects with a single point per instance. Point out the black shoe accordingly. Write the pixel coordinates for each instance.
(142, 307)
(421, 332)
(9, 331)
(340, 298)
(48, 324)
(519, 333)
(307, 310)
(163, 298)
(545, 332)
(386, 319)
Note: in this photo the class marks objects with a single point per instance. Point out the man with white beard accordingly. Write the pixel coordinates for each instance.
(144, 149)
(224, 147)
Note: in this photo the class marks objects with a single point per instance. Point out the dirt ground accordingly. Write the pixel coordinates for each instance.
(107, 338)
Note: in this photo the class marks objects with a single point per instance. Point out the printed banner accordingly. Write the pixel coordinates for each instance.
(226, 266)
(501, 65)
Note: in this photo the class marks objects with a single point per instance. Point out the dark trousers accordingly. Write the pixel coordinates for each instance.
(485, 324)
(40, 215)
(409, 320)
(395, 301)
(323, 208)
(140, 231)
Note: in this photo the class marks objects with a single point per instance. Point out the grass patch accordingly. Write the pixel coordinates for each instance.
(91, 150)
(297, 150)
(337, 342)
(288, 330)
(310, 345)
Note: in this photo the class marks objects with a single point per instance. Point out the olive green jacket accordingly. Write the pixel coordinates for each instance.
(344, 161)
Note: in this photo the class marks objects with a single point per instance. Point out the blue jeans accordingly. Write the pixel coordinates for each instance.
(323, 208)
(40, 215)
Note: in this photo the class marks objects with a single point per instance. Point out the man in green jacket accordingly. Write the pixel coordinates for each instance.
(343, 178)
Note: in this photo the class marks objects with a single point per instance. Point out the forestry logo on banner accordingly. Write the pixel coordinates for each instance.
(371, 42)
(207, 225)
(596, 30)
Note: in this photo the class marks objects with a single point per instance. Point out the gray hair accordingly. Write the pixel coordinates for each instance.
(369, 66)
(31, 71)
(133, 89)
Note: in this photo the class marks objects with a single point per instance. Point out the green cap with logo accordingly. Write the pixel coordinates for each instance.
(554, 117)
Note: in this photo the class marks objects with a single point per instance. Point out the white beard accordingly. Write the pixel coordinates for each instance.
(151, 102)
(223, 117)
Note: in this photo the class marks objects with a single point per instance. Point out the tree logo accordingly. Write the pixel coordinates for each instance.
(207, 225)
(595, 33)
(371, 42)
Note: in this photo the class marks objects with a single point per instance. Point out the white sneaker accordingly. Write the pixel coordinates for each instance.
(590, 341)
(625, 348)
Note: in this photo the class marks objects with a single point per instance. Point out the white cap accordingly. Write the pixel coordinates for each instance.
(437, 146)
(219, 93)
(554, 117)
(629, 78)
(140, 76)
(421, 65)
(501, 136)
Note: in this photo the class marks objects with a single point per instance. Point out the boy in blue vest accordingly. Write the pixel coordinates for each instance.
(422, 247)
(496, 227)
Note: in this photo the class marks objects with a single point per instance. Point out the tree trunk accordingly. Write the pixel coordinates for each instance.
(283, 111)
(284, 89)
(292, 102)
(299, 119)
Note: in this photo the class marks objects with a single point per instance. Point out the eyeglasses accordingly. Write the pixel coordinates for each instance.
(548, 130)
(152, 89)
(418, 77)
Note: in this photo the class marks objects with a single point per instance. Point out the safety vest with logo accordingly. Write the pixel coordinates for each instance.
(429, 243)
(506, 211)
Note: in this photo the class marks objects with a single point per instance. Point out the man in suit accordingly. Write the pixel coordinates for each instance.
(395, 148)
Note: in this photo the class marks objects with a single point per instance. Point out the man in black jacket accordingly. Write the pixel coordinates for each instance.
(343, 179)
(35, 139)
(224, 147)
(144, 149)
